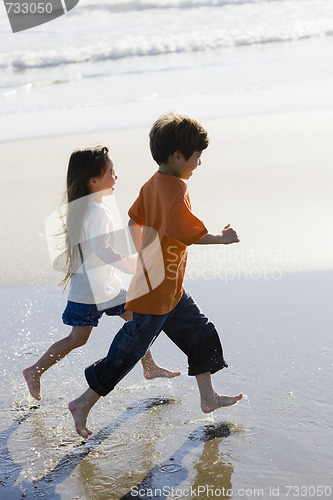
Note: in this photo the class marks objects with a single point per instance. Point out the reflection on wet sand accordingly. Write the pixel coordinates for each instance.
(214, 472)
(280, 353)
(45, 486)
(163, 479)
(10, 471)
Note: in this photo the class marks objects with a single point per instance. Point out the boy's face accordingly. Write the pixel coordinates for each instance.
(186, 167)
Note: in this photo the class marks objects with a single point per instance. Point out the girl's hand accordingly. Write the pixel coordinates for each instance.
(229, 235)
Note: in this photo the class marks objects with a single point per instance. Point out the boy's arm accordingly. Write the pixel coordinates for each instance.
(136, 234)
(227, 236)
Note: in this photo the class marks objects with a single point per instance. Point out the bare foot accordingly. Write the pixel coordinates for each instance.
(80, 409)
(219, 401)
(79, 413)
(32, 377)
(156, 371)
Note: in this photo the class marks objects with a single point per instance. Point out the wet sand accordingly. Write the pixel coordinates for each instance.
(276, 337)
(270, 300)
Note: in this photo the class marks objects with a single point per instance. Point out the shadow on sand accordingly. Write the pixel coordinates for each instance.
(45, 486)
(168, 474)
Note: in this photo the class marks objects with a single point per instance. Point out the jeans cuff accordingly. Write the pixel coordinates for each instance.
(93, 382)
(211, 366)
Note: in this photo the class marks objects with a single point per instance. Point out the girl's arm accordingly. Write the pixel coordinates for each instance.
(102, 240)
(107, 254)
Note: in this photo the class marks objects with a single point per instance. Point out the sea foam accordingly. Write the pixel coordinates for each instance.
(116, 30)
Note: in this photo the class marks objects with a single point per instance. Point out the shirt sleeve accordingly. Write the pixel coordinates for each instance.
(183, 225)
(135, 212)
(101, 240)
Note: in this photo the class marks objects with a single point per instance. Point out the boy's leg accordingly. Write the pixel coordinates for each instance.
(197, 337)
(80, 409)
(151, 369)
(128, 347)
(210, 399)
(78, 337)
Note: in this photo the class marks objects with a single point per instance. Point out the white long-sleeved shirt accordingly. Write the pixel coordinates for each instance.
(96, 281)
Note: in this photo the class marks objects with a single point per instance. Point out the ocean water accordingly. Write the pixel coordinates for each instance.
(112, 64)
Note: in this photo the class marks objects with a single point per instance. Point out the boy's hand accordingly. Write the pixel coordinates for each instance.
(229, 235)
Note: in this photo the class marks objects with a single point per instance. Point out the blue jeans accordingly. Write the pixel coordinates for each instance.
(185, 325)
(77, 314)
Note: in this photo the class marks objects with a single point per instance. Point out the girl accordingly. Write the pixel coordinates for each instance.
(90, 265)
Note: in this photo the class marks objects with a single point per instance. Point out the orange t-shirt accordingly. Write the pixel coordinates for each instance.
(163, 209)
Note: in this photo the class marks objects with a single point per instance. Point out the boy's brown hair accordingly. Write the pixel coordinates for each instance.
(176, 132)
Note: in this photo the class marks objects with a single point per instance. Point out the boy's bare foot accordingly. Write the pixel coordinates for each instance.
(32, 377)
(219, 401)
(80, 409)
(80, 418)
(156, 371)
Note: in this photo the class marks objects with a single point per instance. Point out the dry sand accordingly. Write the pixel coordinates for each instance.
(269, 176)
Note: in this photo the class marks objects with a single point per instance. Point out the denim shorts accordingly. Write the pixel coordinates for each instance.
(77, 314)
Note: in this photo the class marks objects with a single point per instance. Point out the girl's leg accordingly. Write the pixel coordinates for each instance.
(210, 399)
(150, 368)
(78, 337)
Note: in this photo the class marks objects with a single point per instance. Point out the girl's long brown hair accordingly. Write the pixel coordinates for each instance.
(83, 165)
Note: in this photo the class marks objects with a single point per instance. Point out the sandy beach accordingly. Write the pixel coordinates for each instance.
(269, 176)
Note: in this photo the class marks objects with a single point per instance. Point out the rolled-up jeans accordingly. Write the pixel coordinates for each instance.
(185, 325)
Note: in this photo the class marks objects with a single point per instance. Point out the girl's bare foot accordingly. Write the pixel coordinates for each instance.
(80, 409)
(156, 371)
(32, 377)
(210, 404)
(152, 370)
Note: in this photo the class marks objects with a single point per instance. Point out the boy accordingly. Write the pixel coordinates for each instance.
(162, 227)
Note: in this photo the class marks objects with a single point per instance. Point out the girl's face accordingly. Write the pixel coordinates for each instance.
(107, 180)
